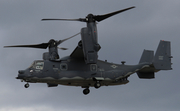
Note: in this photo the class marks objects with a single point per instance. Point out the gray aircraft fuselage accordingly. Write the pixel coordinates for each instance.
(73, 72)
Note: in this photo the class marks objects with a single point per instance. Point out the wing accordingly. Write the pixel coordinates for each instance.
(77, 53)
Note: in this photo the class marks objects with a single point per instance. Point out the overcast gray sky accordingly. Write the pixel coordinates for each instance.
(122, 37)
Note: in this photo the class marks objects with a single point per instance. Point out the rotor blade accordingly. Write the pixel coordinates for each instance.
(62, 48)
(80, 19)
(61, 41)
(41, 46)
(102, 17)
(44, 45)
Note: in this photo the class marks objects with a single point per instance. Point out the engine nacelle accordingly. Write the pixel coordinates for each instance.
(46, 56)
(90, 46)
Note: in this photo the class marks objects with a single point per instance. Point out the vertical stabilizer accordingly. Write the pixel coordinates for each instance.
(147, 56)
(146, 73)
(162, 58)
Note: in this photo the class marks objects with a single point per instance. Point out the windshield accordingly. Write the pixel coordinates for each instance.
(31, 66)
(37, 65)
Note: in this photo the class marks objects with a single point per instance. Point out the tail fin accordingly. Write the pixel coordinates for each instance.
(162, 58)
(148, 72)
(147, 56)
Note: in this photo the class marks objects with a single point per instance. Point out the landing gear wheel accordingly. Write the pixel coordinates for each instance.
(86, 91)
(97, 85)
(26, 85)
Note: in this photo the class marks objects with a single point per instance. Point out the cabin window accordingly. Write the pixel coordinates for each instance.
(63, 66)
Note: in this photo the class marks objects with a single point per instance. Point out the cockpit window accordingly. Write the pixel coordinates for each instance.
(31, 66)
(37, 65)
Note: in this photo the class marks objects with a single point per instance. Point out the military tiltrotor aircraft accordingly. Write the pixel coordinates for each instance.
(82, 67)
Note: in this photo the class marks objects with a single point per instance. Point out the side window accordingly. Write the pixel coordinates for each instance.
(63, 66)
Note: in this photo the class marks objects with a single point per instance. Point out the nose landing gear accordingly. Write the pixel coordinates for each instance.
(26, 85)
(86, 91)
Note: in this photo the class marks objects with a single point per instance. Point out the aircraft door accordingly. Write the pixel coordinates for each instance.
(99, 71)
(56, 71)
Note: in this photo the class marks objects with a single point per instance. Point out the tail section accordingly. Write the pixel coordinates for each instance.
(147, 56)
(161, 60)
(148, 72)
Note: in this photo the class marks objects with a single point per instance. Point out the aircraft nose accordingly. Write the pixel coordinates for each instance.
(21, 74)
(21, 71)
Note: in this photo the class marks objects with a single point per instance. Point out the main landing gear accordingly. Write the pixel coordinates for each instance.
(87, 91)
(97, 85)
